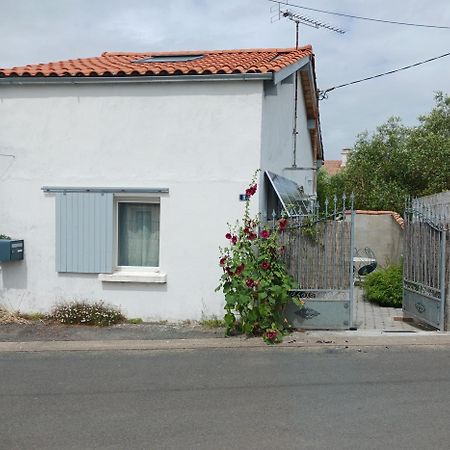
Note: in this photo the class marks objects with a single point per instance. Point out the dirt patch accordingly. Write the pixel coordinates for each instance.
(9, 318)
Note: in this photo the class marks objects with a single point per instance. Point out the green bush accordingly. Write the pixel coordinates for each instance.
(385, 286)
(84, 313)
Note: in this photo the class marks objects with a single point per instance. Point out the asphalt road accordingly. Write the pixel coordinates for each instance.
(226, 399)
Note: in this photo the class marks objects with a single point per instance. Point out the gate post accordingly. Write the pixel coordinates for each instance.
(443, 279)
(352, 250)
(445, 283)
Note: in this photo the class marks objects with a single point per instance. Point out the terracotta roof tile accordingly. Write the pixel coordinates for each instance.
(127, 64)
(332, 166)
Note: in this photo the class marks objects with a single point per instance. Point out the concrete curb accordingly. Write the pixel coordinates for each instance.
(312, 340)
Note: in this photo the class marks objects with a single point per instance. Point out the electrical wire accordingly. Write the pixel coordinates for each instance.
(324, 94)
(352, 16)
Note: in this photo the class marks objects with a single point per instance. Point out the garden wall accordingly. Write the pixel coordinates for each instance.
(382, 232)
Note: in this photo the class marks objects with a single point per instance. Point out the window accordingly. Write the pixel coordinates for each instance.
(137, 234)
(168, 58)
(112, 232)
(286, 195)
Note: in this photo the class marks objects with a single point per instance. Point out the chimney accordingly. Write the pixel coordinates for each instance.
(345, 153)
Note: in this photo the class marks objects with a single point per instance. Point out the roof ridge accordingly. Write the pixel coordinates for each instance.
(218, 51)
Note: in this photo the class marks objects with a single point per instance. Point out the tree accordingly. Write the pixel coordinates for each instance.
(429, 151)
(395, 162)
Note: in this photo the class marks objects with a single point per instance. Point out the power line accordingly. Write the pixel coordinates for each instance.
(352, 16)
(324, 94)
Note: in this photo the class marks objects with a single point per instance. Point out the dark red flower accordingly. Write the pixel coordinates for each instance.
(265, 234)
(233, 239)
(239, 269)
(271, 335)
(252, 236)
(228, 235)
(265, 265)
(229, 271)
(222, 260)
(251, 190)
(250, 283)
(282, 224)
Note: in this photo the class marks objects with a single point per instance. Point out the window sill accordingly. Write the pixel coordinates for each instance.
(136, 276)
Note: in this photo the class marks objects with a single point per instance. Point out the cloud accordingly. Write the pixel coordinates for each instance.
(51, 30)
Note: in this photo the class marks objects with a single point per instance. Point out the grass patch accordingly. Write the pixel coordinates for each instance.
(33, 317)
(158, 322)
(135, 321)
(212, 322)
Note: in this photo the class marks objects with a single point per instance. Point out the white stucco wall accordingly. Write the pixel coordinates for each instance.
(277, 137)
(201, 140)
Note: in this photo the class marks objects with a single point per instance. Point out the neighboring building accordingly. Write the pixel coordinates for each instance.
(333, 166)
(120, 172)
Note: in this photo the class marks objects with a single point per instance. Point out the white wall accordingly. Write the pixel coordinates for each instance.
(277, 137)
(201, 140)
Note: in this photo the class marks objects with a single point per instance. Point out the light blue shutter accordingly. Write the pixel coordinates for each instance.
(84, 232)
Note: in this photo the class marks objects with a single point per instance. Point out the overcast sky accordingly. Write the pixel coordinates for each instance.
(34, 31)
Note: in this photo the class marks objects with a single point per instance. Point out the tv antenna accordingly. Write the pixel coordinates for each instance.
(300, 19)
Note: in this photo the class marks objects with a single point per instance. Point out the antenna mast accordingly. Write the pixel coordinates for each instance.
(300, 19)
(309, 22)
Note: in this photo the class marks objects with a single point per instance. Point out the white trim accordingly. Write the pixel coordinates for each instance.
(289, 70)
(134, 275)
(123, 198)
(21, 80)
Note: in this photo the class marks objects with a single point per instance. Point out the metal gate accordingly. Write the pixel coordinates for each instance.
(424, 269)
(319, 255)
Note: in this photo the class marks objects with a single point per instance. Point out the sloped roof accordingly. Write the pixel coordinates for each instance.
(199, 62)
(332, 166)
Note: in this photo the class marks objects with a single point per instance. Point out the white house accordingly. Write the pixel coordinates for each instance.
(120, 172)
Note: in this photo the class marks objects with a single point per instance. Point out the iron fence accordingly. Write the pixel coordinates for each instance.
(425, 268)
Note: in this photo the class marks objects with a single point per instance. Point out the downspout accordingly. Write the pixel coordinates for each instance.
(295, 130)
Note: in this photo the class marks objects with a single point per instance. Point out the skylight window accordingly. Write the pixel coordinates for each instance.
(279, 56)
(169, 58)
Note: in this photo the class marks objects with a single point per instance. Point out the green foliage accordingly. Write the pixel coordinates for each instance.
(385, 286)
(4, 236)
(32, 316)
(255, 281)
(84, 313)
(135, 321)
(395, 162)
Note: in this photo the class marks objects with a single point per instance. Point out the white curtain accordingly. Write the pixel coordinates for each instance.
(138, 234)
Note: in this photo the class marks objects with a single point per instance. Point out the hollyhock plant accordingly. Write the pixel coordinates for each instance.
(249, 192)
(254, 280)
(282, 224)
